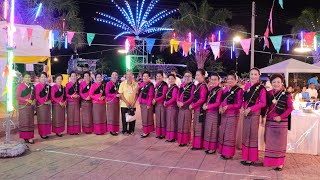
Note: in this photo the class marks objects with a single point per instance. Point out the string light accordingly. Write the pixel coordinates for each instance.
(195, 45)
(66, 41)
(315, 43)
(38, 11)
(189, 36)
(219, 36)
(139, 24)
(301, 34)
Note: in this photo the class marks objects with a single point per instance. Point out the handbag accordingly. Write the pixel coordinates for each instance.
(130, 115)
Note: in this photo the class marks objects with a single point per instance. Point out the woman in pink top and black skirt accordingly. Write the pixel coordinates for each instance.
(86, 104)
(210, 140)
(170, 105)
(280, 106)
(58, 96)
(113, 105)
(97, 93)
(161, 90)
(146, 93)
(254, 102)
(26, 99)
(199, 98)
(73, 106)
(43, 106)
(229, 109)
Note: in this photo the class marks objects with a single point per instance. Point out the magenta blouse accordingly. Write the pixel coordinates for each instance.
(233, 108)
(84, 89)
(180, 98)
(54, 90)
(97, 91)
(24, 92)
(173, 100)
(214, 107)
(203, 96)
(261, 101)
(161, 99)
(148, 100)
(111, 96)
(284, 116)
(42, 93)
(74, 91)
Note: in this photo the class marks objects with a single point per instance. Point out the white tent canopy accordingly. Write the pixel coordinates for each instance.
(290, 66)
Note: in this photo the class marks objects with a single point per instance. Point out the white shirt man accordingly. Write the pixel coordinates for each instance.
(313, 93)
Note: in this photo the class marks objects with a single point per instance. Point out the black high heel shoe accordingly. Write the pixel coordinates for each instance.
(278, 169)
(144, 136)
(44, 137)
(245, 163)
(59, 135)
(172, 140)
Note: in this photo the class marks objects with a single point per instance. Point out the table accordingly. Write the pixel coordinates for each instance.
(304, 137)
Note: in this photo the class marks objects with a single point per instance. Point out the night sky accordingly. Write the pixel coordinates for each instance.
(241, 10)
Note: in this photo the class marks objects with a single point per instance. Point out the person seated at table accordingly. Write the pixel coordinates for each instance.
(313, 93)
(305, 94)
(297, 97)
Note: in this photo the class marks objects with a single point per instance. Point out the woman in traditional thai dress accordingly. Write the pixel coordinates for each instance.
(86, 104)
(43, 106)
(159, 98)
(229, 109)
(199, 98)
(210, 140)
(254, 102)
(171, 108)
(113, 104)
(184, 100)
(25, 95)
(98, 94)
(146, 92)
(73, 106)
(58, 97)
(278, 119)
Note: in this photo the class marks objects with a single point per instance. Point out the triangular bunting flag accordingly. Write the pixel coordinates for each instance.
(215, 47)
(131, 42)
(245, 43)
(276, 41)
(309, 38)
(175, 44)
(5, 72)
(29, 30)
(5, 91)
(55, 36)
(45, 34)
(266, 36)
(281, 3)
(90, 37)
(70, 36)
(186, 47)
(150, 44)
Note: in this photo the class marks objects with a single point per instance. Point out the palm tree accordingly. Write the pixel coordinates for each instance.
(55, 14)
(202, 21)
(307, 21)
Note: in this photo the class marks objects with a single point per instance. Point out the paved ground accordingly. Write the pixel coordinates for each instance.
(130, 157)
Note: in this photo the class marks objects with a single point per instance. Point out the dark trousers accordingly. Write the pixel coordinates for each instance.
(125, 124)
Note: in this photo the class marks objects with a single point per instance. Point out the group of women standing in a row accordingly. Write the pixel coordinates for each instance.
(216, 111)
(216, 114)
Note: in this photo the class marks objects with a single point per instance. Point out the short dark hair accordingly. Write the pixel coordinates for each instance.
(172, 75)
(57, 75)
(146, 72)
(174, 70)
(86, 72)
(256, 70)
(44, 73)
(98, 74)
(314, 75)
(277, 75)
(160, 72)
(215, 74)
(72, 73)
(187, 71)
(115, 71)
(233, 73)
(202, 71)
